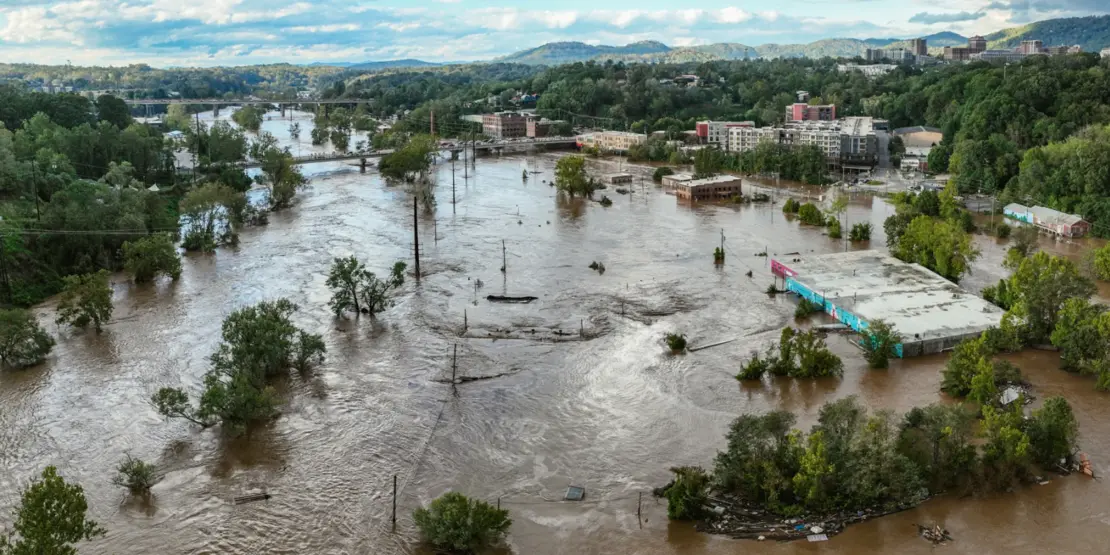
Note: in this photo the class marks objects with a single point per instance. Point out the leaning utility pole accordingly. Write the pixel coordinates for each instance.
(416, 236)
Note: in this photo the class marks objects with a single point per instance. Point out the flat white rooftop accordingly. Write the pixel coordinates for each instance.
(931, 313)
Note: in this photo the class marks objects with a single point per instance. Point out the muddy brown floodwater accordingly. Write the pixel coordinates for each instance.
(611, 413)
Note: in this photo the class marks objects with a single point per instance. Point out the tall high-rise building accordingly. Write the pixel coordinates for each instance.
(1031, 47)
(919, 47)
(976, 44)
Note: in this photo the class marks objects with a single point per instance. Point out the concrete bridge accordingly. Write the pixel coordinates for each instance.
(237, 101)
(495, 147)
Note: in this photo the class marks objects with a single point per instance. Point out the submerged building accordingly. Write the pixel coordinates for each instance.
(931, 313)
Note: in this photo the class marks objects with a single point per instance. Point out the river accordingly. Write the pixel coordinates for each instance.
(610, 413)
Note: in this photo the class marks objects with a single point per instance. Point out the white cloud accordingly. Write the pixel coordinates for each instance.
(731, 15)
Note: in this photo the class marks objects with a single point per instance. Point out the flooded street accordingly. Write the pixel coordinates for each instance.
(611, 413)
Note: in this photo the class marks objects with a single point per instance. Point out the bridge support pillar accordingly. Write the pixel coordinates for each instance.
(282, 108)
(216, 110)
(362, 165)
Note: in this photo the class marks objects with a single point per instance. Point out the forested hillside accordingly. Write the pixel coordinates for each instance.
(1092, 33)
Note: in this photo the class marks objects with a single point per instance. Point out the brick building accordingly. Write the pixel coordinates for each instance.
(800, 111)
(505, 125)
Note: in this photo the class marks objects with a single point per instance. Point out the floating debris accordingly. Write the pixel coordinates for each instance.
(575, 493)
(934, 533)
(504, 299)
(817, 538)
(252, 498)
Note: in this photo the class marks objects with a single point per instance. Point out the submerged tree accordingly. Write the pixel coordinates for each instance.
(570, 176)
(23, 342)
(148, 257)
(259, 342)
(880, 342)
(281, 176)
(458, 524)
(354, 288)
(212, 216)
(86, 299)
(687, 494)
(51, 519)
(135, 475)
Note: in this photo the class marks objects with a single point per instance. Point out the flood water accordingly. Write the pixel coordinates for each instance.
(610, 413)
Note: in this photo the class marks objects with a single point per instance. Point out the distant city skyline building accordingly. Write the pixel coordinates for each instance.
(800, 111)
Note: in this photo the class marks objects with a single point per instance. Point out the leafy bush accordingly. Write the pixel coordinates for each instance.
(834, 227)
(660, 173)
(1002, 230)
(86, 299)
(456, 523)
(810, 214)
(718, 255)
(807, 307)
(676, 342)
(150, 256)
(791, 206)
(879, 343)
(686, 495)
(135, 475)
(1052, 432)
(23, 342)
(754, 368)
(860, 232)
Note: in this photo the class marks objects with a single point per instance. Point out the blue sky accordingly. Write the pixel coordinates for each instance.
(238, 32)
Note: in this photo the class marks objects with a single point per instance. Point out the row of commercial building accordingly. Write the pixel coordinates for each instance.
(1052, 221)
(849, 140)
(511, 125)
(976, 49)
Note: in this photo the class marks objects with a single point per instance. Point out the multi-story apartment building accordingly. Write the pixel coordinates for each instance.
(1063, 50)
(919, 47)
(975, 45)
(610, 141)
(851, 140)
(505, 125)
(1031, 47)
(716, 132)
(897, 55)
(800, 111)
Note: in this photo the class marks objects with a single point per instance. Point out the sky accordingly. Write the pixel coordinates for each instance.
(167, 33)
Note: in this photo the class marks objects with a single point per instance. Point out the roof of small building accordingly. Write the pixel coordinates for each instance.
(915, 129)
(1054, 217)
(714, 180)
(1015, 207)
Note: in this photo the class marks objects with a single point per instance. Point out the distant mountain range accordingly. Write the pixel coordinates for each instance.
(373, 66)
(1092, 33)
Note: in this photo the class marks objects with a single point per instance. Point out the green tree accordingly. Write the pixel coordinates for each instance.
(811, 483)
(408, 162)
(281, 176)
(810, 214)
(249, 117)
(1041, 285)
(1078, 336)
(963, 365)
(708, 162)
(880, 342)
(1006, 453)
(687, 494)
(660, 173)
(50, 519)
(148, 257)
(860, 232)
(113, 110)
(212, 215)
(135, 475)
(340, 139)
(23, 342)
(458, 524)
(1102, 263)
(1052, 432)
(570, 176)
(295, 131)
(937, 245)
(86, 299)
(983, 389)
(260, 339)
(357, 289)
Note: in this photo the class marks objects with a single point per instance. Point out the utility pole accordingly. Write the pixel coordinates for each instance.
(4, 270)
(433, 122)
(35, 185)
(504, 260)
(452, 185)
(196, 150)
(416, 236)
